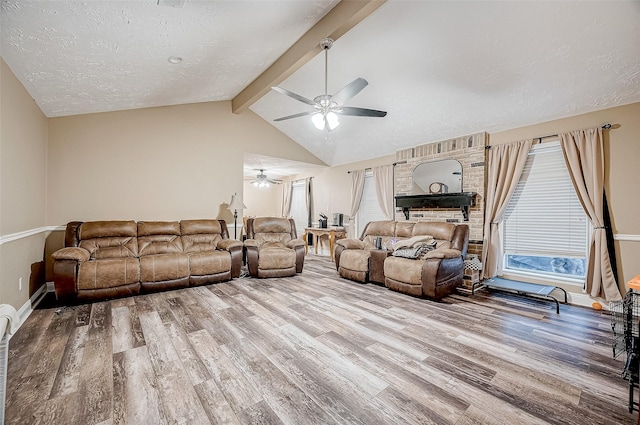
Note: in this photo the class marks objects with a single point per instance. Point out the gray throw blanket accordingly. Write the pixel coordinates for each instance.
(415, 251)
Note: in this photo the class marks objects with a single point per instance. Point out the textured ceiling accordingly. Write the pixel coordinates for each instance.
(440, 69)
(76, 57)
(274, 168)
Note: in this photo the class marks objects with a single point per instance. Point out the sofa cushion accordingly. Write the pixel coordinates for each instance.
(108, 273)
(404, 229)
(109, 239)
(276, 256)
(163, 267)
(200, 243)
(381, 228)
(159, 237)
(271, 230)
(209, 262)
(199, 227)
(271, 225)
(355, 259)
(107, 229)
(113, 247)
(200, 235)
(404, 270)
(439, 230)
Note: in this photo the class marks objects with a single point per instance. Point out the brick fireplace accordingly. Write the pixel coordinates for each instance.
(470, 152)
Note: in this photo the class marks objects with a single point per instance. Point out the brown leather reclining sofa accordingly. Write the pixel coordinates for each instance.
(435, 274)
(106, 259)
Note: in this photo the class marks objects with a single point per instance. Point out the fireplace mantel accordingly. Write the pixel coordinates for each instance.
(462, 200)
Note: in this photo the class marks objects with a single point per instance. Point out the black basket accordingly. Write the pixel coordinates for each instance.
(625, 327)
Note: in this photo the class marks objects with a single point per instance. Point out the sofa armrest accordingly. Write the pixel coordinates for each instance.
(299, 247)
(251, 248)
(71, 253)
(234, 248)
(251, 243)
(442, 274)
(342, 244)
(350, 243)
(65, 271)
(444, 253)
(294, 243)
(227, 244)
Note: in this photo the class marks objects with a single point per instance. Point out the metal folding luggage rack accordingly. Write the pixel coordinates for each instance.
(625, 326)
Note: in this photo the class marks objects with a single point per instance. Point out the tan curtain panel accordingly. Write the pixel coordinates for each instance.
(357, 187)
(287, 193)
(383, 177)
(505, 164)
(584, 154)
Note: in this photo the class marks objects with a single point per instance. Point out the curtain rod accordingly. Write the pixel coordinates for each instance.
(606, 126)
(371, 168)
(366, 169)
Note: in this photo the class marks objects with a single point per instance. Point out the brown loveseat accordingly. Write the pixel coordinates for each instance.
(434, 274)
(105, 259)
(272, 247)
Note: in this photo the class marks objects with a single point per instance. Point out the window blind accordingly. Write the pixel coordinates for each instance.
(544, 217)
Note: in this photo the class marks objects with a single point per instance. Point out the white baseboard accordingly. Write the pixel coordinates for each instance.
(584, 300)
(27, 308)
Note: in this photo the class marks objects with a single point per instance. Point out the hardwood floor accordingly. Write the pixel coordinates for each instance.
(314, 349)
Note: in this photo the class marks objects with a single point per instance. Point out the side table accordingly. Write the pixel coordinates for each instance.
(333, 233)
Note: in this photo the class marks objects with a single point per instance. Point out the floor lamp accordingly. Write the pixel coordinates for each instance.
(235, 205)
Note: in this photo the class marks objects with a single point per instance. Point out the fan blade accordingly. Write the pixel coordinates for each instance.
(348, 91)
(359, 112)
(301, 114)
(294, 95)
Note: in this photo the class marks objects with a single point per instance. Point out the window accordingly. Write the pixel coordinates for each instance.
(369, 207)
(545, 230)
(299, 207)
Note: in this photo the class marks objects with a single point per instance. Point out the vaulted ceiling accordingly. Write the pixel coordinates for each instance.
(440, 68)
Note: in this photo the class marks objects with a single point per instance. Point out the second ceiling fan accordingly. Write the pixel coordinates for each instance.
(327, 107)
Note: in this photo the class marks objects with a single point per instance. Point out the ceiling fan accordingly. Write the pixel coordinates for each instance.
(327, 107)
(263, 181)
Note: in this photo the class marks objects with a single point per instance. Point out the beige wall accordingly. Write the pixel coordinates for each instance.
(164, 163)
(23, 155)
(266, 201)
(622, 179)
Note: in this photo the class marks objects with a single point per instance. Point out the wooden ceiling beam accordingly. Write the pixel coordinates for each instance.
(344, 16)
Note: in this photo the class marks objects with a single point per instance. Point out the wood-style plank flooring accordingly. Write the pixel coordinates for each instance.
(314, 349)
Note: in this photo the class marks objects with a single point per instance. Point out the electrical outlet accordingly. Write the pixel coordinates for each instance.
(20, 284)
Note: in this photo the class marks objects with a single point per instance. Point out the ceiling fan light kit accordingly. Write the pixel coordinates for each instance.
(262, 181)
(327, 107)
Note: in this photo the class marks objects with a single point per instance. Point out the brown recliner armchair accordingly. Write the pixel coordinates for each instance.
(273, 248)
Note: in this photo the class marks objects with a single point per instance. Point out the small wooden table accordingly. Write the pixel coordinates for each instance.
(333, 233)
